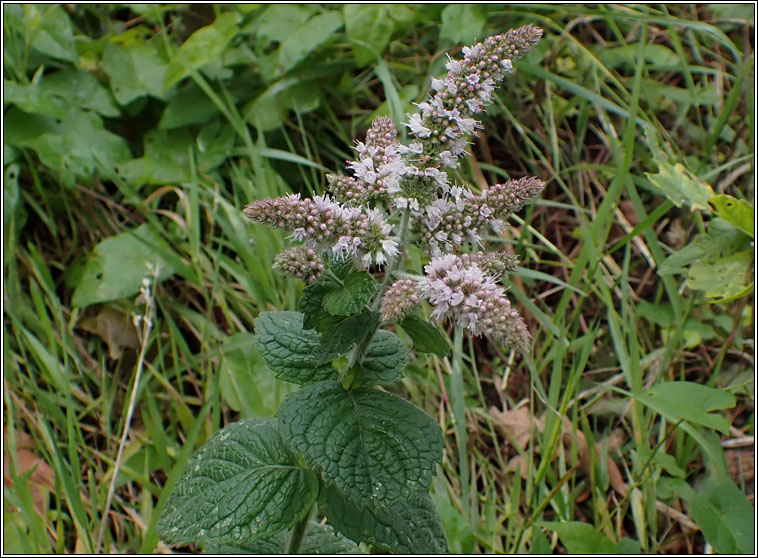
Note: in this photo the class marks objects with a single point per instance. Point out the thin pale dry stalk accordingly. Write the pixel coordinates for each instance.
(146, 322)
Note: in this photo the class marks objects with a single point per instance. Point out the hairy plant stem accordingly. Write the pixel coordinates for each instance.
(298, 533)
(397, 262)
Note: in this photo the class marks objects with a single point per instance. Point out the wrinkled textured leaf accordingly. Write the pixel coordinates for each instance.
(409, 526)
(349, 332)
(737, 212)
(375, 447)
(370, 24)
(583, 538)
(241, 486)
(318, 539)
(426, 337)
(203, 46)
(689, 401)
(726, 517)
(385, 359)
(118, 264)
(349, 298)
(462, 23)
(312, 306)
(289, 350)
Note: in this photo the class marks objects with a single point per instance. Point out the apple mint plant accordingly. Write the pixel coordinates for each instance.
(364, 456)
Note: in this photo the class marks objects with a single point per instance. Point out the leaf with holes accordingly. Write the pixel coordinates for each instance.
(241, 486)
(375, 447)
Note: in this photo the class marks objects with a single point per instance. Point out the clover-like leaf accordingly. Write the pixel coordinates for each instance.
(375, 447)
(409, 526)
(385, 360)
(289, 350)
(241, 486)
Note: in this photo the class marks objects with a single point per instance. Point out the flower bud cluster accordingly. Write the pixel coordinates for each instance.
(459, 290)
(324, 223)
(402, 298)
(301, 262)
(446, 119)
(377, 171)
(462, 216)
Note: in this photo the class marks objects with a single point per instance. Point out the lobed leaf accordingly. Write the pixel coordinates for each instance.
(243, 485)
(375, 447)
(409, 526)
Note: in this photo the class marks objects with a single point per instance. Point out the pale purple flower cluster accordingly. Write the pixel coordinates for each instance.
(459, 290)
(402, 298)
(460, 216)
(378, 170)
(446, 119)
(301, 262)
(321, 222)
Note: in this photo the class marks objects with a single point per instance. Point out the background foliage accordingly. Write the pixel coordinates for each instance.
(134, 134)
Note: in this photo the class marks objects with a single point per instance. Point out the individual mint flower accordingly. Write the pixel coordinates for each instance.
(377, 171)
(401, 298)
(347, 231)
(301, 262)
(460, 291)
(446, 119)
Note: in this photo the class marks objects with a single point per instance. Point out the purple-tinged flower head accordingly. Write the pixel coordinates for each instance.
(446, 119)
(461, 217)
(321, 222)
(301, 262)
(378, 169)
(459, 290)
(401, 298)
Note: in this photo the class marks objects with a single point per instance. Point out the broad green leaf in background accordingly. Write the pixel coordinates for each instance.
(49, 31)
(318, 539)
(350, 297)
(280, 21)
(307, 38)
(737, 212)
(189, 106)
(725, 516)
(385, 360)
(245, 381)
(75, 146)
(31, 98)
(689, 401)
(681, 186)
(426, 337)
(720, 238)
(289, 350)
(241, 486)
(584, 538)
(203, 46)
(135, 69)
(723, 277)
(654, 54)
(462, 24)
(377, 448)
(409, 526)
(118, 264)
(370, 24)
(80, 89)
(694, 331)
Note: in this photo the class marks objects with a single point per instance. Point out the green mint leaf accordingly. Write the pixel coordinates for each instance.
(355, 292)
(385, 360)
(348, 332)
(319, 539)
(408, 526)
(289, 350)
(426, 337)
(375, 447)
(241, 486)
(312, 306)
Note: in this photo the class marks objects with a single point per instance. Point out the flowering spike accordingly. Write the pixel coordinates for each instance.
(401, 298)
